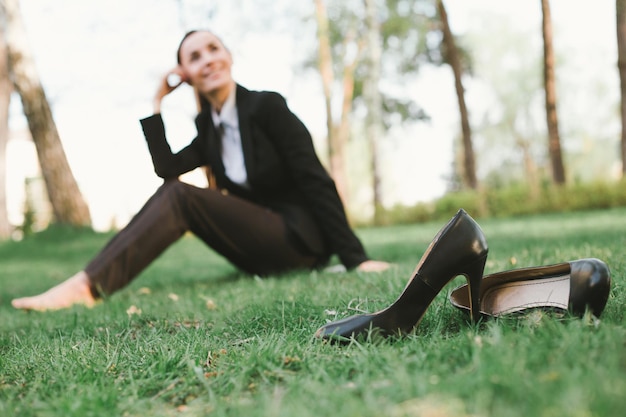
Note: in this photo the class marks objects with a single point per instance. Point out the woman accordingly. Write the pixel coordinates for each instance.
(275, 207)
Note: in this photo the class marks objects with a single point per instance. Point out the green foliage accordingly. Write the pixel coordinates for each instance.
(514, 200)
(29, 223)
(30, 219)
(410, 36)
(211, 341)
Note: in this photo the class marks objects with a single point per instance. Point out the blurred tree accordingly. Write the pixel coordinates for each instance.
(67, 202)
(5, 97)
(509, 122)
(451, 56)
(512, 128)
(374, 129)
(620, 6)
(554, 140)
(345, 32)
(338, 133)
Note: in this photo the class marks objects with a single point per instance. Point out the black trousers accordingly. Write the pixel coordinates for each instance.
(252, 237)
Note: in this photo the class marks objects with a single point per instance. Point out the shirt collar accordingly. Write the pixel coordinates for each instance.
(228, 115)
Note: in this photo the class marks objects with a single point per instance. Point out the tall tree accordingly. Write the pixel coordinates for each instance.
(67, 202)
(337, 132)
(554, 140)
(5, 97)
(344, 64)
(451, 56)
(373, 100)
(620, 6)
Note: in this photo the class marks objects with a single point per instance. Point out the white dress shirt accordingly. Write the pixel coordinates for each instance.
(232, 151)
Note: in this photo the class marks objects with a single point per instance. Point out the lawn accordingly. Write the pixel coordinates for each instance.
(193, 337)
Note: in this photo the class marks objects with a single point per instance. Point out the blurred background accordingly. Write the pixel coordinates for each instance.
(99, 64)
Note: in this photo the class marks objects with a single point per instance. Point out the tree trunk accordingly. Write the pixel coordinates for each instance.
(337, 137)
(373, 101)
(342, 131)
(554, 140)
(452, 58)
(620, 6)
(65, 197)
(5, 97)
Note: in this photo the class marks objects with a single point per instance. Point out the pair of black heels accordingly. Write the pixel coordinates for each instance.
(460, 248)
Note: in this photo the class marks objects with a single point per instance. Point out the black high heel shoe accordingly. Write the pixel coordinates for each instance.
(460, 248)
(575, 286)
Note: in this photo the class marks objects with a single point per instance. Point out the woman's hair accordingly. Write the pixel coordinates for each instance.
(188, 34)
(180, 45)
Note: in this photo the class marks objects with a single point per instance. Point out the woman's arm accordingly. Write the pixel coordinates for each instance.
(166, 163)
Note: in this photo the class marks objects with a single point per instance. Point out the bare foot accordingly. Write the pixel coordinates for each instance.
(75, 290)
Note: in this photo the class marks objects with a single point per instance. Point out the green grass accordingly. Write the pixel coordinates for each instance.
(212, 341)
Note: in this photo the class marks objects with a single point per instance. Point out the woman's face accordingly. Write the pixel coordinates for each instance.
(206, 62)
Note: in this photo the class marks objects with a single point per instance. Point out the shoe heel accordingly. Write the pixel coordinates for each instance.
(474, 275)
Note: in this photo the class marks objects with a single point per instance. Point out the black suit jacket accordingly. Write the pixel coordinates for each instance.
(283, 170)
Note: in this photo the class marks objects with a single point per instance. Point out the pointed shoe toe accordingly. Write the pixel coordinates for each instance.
(344, 330)
(575, 286)
(460, 248)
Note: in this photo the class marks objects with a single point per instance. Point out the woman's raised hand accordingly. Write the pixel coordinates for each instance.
(168, 83)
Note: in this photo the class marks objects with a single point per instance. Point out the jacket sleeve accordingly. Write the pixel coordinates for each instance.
(167, 164)
(295, 146)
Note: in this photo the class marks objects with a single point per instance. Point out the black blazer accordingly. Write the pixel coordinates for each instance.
(283, 170)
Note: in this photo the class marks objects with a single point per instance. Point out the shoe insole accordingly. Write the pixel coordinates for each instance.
(521, 295)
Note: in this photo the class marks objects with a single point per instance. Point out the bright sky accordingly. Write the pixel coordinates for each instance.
(99, 63)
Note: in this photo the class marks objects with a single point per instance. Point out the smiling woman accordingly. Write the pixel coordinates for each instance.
(273, 208)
